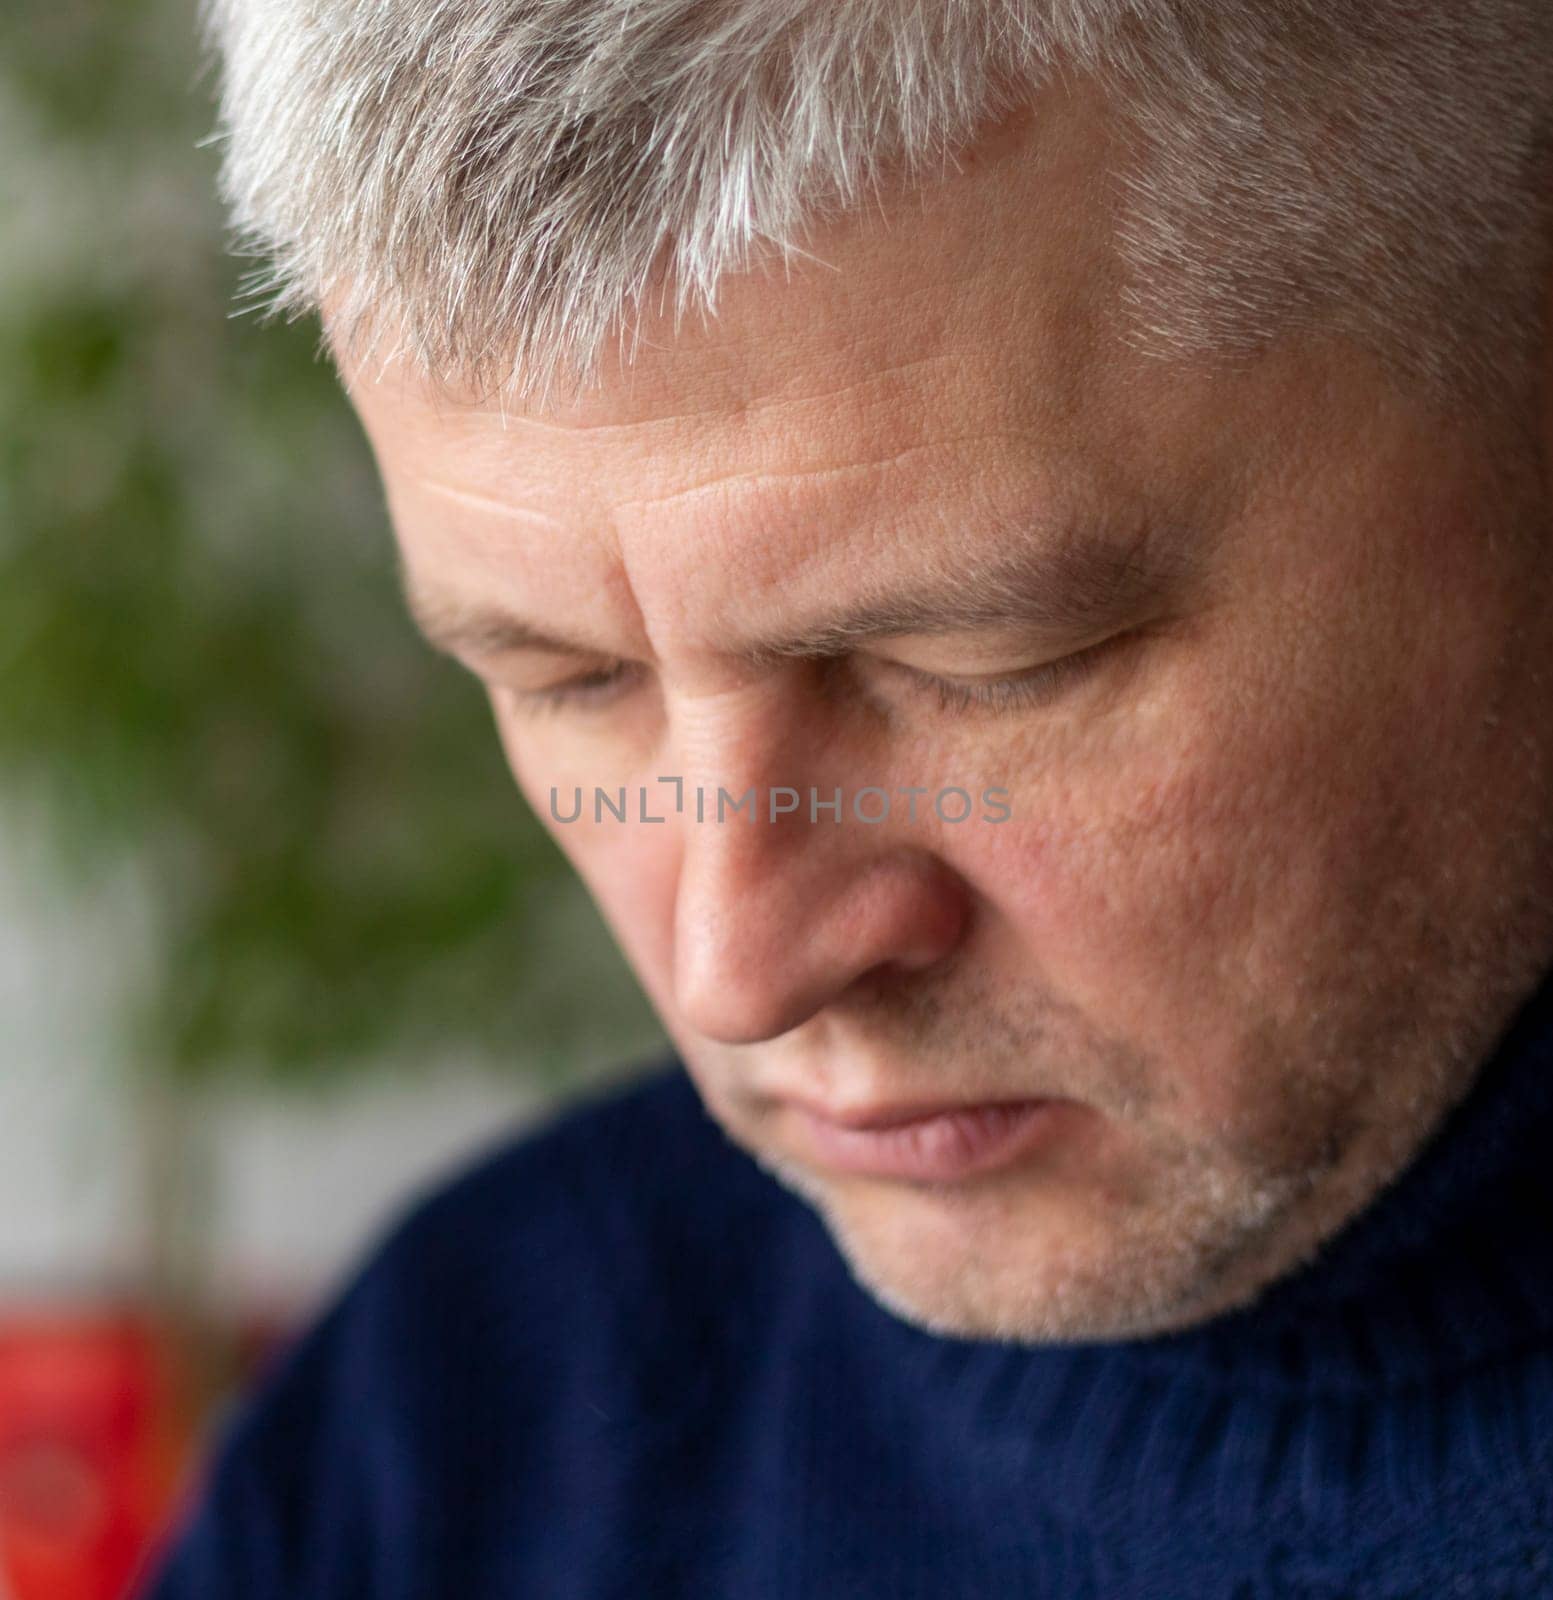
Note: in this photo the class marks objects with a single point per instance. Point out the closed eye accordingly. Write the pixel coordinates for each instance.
(589, 691)
(1034, 686)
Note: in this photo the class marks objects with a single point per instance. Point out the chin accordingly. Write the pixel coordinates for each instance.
(967, 1294)
(994, 1265)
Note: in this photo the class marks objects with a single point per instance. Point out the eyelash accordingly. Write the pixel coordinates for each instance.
(1036, 686)
(594, 688)
(1033, 687)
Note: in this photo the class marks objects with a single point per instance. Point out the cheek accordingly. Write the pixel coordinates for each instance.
(1198, 891)
(1129, 891)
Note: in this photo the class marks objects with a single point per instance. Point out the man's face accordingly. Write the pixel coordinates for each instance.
(1275, 865)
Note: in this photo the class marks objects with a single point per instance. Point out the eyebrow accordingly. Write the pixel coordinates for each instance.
(457, 627)
(1086, 582)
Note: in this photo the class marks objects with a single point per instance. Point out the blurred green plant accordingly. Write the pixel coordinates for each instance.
(206, 671)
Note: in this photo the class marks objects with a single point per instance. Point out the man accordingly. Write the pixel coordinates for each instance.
(1048, 680)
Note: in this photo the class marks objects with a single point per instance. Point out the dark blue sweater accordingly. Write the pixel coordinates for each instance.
(617, 1361)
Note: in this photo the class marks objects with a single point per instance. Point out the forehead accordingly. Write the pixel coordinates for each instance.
(942, 371)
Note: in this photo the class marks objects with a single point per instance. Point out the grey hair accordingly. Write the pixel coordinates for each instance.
(492, 186)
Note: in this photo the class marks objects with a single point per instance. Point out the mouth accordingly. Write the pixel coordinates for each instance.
(924, 1143)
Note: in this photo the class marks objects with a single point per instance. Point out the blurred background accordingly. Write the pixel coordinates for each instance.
(280, 942)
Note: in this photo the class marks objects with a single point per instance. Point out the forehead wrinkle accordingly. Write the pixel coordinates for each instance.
(472, 501)
(889, 374)
(756, 477)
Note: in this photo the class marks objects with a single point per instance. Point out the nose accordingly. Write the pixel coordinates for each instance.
(774, 920)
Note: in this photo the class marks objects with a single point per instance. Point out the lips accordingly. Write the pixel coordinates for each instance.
(938, 1144)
